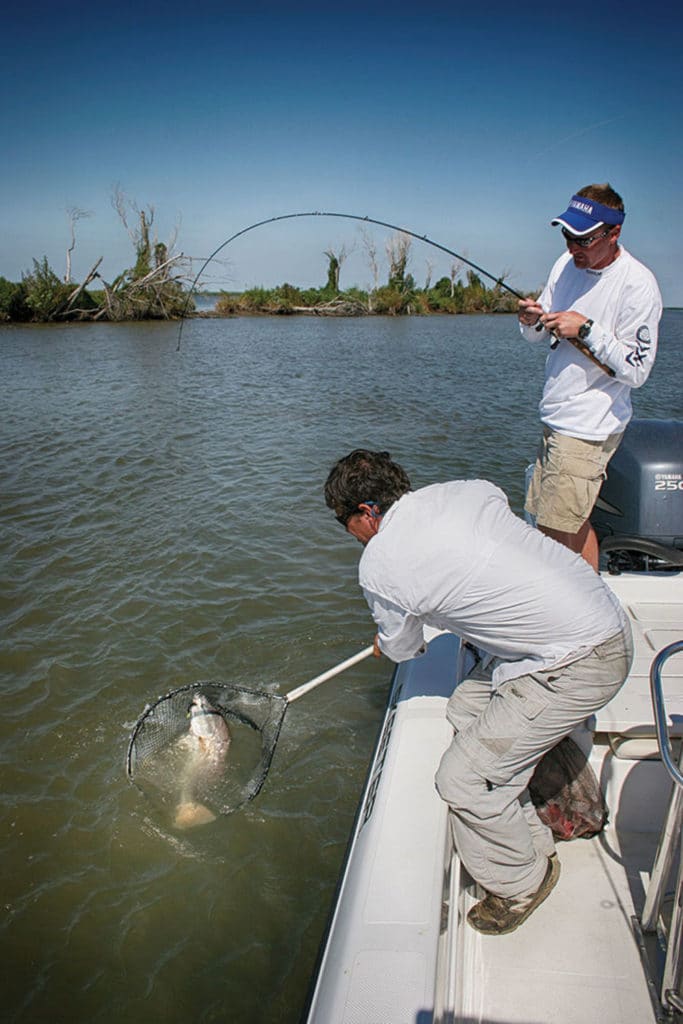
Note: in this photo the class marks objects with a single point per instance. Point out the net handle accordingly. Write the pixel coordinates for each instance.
(299, 691)
(430, 634)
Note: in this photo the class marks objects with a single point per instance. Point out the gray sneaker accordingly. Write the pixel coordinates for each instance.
(495, 915)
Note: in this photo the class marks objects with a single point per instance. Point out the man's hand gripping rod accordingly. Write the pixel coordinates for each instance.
(582, 348)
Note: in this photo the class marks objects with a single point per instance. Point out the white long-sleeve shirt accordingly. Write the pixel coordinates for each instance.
(454, 556)
(624, 303)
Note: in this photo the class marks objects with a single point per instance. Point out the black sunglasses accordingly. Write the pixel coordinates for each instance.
(344, 519)
(583, 243)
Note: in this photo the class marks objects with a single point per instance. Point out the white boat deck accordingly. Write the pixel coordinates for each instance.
(577, 958)
(400, 950)
(380, 966)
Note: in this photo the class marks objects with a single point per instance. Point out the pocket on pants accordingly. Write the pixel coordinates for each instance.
(524, 697)
(497, 743)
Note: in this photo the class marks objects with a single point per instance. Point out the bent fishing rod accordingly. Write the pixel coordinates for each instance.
(392, 227)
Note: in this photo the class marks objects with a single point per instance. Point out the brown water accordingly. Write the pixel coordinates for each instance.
(162, 522)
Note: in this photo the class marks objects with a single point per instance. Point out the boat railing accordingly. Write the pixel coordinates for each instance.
(671, 995)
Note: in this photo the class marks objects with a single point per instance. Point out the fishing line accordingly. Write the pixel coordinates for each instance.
(346, 216)
(392, 227)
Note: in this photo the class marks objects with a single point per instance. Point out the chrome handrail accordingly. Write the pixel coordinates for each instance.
(669, 843)
(663, 737)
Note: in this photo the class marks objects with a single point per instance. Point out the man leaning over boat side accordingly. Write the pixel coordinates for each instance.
(600, 309)
(455, 557)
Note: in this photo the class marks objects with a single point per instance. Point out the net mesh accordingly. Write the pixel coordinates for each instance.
(189, 787)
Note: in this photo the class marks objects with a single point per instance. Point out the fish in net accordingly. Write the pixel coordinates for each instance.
(204, 750)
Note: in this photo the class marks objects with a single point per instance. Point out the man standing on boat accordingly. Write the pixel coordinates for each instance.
(454, 556)
(600, 310)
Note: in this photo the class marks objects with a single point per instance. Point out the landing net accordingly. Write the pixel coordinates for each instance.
(163, 760)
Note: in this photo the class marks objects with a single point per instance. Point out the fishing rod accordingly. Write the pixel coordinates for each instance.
(345, 216)
(384, 224)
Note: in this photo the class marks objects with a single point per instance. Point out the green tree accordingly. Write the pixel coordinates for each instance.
(13, 301)
(45, 293)
(144, 246)
(392, 301)
(255, 300)
(335, 261)
(333, 266)
(228, 304)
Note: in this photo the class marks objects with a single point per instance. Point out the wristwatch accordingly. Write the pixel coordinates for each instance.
(584, 330)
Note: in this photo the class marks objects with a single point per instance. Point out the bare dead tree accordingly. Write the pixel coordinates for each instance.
(154, 287)
(157, 294)
(340, 305)
(171, 244)
(454, 271)
(500, 298)
(430, 271)
(398, 251)
(74, 214)
(370, 247)
(67, 308)
(138, 223)
(127, 209)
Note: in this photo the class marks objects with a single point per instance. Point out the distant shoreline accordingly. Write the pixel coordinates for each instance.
(309, 314)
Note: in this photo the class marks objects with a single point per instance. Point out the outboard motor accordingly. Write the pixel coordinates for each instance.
(638, 516)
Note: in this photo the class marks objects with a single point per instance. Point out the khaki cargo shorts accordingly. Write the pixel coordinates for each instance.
(567, 478)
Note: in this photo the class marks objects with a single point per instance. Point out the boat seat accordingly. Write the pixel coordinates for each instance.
(656, 613)
(640, 748)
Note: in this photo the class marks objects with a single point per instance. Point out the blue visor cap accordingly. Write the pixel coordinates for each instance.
(584, 215)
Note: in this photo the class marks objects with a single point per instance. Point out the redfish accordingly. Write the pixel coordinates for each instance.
(206, 743)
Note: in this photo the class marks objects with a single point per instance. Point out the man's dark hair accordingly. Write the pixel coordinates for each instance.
(604, 194)
(361, 477)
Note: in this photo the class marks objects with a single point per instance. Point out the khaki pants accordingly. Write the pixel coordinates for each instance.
(500, 736)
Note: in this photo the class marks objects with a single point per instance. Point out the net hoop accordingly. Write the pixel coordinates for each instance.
(248, 713)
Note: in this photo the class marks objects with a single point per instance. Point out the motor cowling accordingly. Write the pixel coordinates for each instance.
(638, 516)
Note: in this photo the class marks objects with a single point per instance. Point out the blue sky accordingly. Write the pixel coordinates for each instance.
(471, 125)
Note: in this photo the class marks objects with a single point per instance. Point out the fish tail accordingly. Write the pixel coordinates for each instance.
(189, 814)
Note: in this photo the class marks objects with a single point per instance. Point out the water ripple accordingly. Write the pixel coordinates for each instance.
(162, 522)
